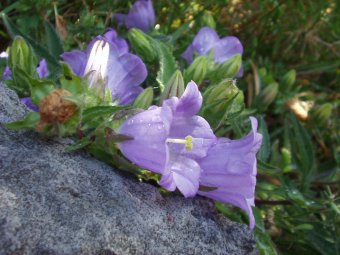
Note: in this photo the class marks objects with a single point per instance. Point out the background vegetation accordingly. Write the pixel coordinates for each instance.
(291, 82)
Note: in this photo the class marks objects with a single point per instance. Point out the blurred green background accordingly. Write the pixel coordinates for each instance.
(291, 82)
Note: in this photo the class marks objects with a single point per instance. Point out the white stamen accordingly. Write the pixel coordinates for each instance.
(187, 142)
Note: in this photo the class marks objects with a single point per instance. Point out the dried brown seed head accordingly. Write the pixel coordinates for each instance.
(54, 108)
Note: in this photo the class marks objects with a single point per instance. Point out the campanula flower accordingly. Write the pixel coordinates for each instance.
(141, 15)
(107, 61)
(169, 139)
(230, 170)
(207, 40)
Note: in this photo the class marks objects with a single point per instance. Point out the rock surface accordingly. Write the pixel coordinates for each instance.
(52, 202)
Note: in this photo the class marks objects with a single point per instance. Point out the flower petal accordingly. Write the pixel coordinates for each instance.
(76, 60)
(42, 69)
(188, 104)
(183, 173)
(236, 200)
(226, 48)
(149, 129)
(205, 40)
(124, 73)
(29, 104)
(141, 15)
(187, 54)
(113, 39)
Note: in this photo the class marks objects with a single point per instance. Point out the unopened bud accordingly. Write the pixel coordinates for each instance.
(197, 70)
(218, 100)
(267, 96)
(54, 108)
(208, 20)
(144, 99)
(288, 80)
(322, 113)
(141, 44)
(21, 56)
(229, 68)
(174, 87)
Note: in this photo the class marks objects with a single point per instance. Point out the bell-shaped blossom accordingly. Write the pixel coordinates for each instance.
(169, 140)
(207, 40)
(229, 170)
(107, 61)
(141, 15)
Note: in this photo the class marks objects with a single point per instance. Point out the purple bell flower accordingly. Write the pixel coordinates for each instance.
(141, 15)
(107, 61)
(207, 40)
(230, 167)
(169, 140)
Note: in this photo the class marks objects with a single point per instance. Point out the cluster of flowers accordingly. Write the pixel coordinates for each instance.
(171, 139)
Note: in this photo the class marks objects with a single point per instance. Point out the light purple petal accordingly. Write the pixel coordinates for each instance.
(76, 59)
(226, 48)
(29, 104)
(141, 15)
(183, 173)
(230, 166)
(205, 40)
(113, 39)
(236, 200)
(124, 74)
(240, 72)
(187, 54)
(42, 69)
(188, 104)
(120, 18)
(149, 129)
(130, 96)
(199, 129)
(6, 73)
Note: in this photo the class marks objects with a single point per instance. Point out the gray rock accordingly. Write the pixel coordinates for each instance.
(52, 202)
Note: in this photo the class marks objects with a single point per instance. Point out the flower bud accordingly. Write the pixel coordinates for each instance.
(267, 96)
(21, 55)
(218, 101)
(288, 80)
(230, 68)
(144, 99)
(322, 113)
(54, 108)
(174, 87)
(208, 20)
(197, 70)
(141, 44)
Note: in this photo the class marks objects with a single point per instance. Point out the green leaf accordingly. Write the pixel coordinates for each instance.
(99, 111)
(265, 166)
(29, 121)
(40, 89)
(264, 243)
(79, 144)
(54, 44)
(167, 64)
(301, 146)
(264, 152)
(72, 82)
